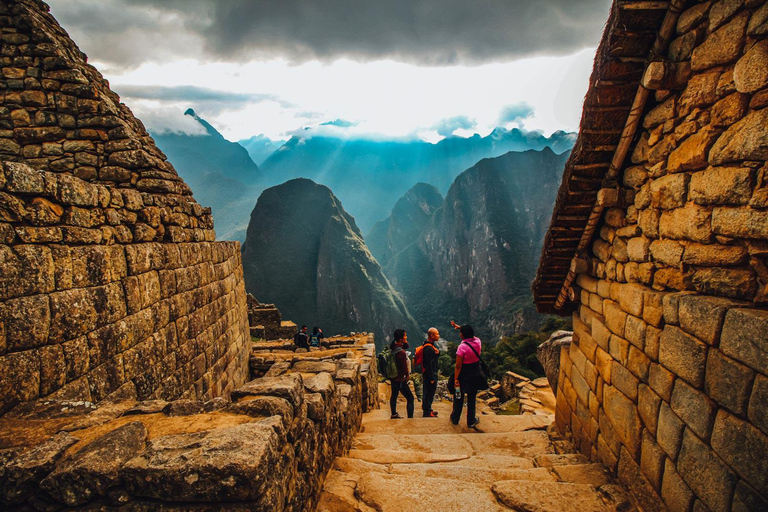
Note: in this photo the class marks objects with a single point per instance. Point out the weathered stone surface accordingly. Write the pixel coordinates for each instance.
(668, 252)
(624, 418)
(689, 223)
(522, 495)
(742, 447)
(701, 91)
(722, 186)
(624, 381)
(694, 408)
(758, 404)
(93, 470)
(19, 478)
(264, 406)
(184, 407)
(740, 222)
(722, 46)
(683, 354)
(707, 475)
(675, 493)
(703, 316)
(314, 367)
(290, 387)
(736, 283)
(745, 140)
(548, 354)
(745, 337)
(229, 463)
(714, 255)
(728, 382)
(746, 499)
(690, 155)
(692, 16)
(751, 72)
(670, 431)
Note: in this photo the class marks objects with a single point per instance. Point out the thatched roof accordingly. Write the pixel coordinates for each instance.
(620, 61)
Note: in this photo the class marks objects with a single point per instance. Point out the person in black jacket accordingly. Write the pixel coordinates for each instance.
(429, 354)
(400, 383)
(301, 340)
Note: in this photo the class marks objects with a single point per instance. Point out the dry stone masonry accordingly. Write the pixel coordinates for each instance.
(111, 284)
(268, 448)
(666, 379)
(266, 321)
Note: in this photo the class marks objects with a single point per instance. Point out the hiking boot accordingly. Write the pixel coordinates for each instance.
(430, 414)
(454, 421)
(474, 423)
(395, 417)
(434, 413)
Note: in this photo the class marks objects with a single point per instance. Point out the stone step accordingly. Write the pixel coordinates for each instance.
(408, 448)
(555, 497)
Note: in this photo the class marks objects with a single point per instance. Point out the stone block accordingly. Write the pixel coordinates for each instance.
(674, 492)
(722, 46)
(706, 474)
(745, 337)
(742, 447)
(669, 431)
(652, 342)
(689, 223)
(622, 413)
(746, 499)
(758, 404)
(670, 191)
(624, 381)
(683, 355)
(722, 186)
(93, 470)
(661, 381)
(638, 363)
(652, 461)
(648, 404)
(615, 317)
(648, 220)
(751, 71)
(694, 408)
(714, 254)
(701, 91)
(290, 387)
(692, 16)
(653, 310)
(668, 252)
(736, 283)
(634, 331)
(702, 316)
(619, 349)
(745, 140)
(728, 382)
(729, 109)
(26, 321)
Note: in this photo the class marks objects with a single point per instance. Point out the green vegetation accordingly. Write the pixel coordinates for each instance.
(516, 353)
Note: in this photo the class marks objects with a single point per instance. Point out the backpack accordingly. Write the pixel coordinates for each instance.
(418, 359)
(387, 364)
(314, 340)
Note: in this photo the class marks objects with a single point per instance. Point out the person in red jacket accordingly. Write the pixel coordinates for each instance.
(400, 383)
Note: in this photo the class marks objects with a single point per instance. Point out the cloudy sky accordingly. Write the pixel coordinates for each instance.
(374, 68)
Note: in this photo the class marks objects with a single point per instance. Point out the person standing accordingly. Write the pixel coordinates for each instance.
(317, 336)
(467, 375)
(400, 383)
(301, 340)
(429, 354)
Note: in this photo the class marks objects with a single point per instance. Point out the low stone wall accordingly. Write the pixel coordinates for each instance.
(269, 448)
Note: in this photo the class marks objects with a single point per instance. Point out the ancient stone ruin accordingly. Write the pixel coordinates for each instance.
(124, 326)
(659, 246)
(266, 321)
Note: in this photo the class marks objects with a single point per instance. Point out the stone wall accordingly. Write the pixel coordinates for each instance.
(269, 448)
(111, 284)
(666, 380)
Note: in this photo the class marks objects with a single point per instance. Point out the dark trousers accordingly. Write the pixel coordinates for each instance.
(471, 394)
(428, 394)
(397, 388)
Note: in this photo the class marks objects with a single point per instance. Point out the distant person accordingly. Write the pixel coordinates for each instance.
(400, 383)
(301, 340)
(317, 336)
(467, 375)
(429, 353)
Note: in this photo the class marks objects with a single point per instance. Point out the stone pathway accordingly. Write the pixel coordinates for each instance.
(507, 463)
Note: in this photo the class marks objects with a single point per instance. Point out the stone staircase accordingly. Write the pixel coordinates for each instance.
(507, 463)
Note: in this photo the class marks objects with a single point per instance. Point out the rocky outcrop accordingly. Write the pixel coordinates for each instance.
(111, 283)
(305, 254)
(548, 354)
(476, 257)
(409, 216)
(268, 449)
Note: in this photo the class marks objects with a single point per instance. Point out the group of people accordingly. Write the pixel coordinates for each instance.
(306, 341)
(467, 379)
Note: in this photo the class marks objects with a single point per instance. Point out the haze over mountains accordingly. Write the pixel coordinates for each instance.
(367, 176)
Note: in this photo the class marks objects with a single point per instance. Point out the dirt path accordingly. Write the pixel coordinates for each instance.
(507, 463)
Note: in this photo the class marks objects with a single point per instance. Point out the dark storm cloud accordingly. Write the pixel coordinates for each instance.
(431, 32)
(446, 127)
(514, 113)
